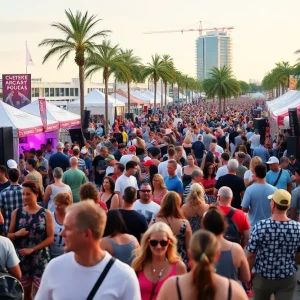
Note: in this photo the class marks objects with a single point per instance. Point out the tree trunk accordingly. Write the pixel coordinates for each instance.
(155, 83)
(173, 93)
(166, 86)
(186, 94)
(81, 86)
(220, 105)
(106, 104)
(224, 103)
(128, 91)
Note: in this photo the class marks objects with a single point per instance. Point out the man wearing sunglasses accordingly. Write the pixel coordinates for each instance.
(145, 205)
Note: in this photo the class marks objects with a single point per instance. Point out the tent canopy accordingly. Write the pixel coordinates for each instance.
(23, 123)
(133, 100)
(65, 118)
(158, 96)
(140, 96)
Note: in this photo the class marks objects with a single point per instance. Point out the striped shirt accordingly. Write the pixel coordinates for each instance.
(81, 165)
(10, 199)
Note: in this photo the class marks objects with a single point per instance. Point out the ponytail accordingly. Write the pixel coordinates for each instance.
(203, 279)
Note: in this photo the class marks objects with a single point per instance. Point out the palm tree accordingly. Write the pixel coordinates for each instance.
(77, 37)
(132, 64)
(168, 60)
(283, 71)
(156, 70)
(221, 84)
(106, 58)
(179, 81)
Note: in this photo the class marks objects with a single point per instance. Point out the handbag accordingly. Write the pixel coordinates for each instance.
(100, 279)
(278, 177)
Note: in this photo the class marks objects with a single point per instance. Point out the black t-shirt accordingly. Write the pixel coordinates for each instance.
(135, 222)
(119, 137)
(232, 135)
(198, 148)
(237, 186)
(4, 185)
(59, 160)
(100, 164)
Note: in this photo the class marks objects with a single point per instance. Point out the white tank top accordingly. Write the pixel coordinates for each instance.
(57, 247)
(56, 190)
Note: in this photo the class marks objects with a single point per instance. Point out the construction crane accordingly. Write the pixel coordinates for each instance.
(200, 30)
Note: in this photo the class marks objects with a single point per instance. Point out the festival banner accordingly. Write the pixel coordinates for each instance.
(16, 89)
(43, 111)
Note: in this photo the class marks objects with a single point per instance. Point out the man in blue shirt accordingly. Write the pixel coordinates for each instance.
(172, 181)
(255, 200)
(279, 176)
(261, 151)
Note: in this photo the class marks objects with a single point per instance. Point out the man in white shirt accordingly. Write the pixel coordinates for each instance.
(145, 205)
(127, 157)
(73, 275)
(162, 167)
(223, 170)
(127, 179)
(254, 140)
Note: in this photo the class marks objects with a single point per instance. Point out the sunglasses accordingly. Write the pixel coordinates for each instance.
(145, 191)
(162, 243)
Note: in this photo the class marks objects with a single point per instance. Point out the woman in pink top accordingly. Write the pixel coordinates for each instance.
(156, 260)
(159, 188)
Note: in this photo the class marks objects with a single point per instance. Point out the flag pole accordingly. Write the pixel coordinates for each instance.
(26, 55)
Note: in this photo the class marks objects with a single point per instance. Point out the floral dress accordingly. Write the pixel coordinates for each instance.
(32, 265)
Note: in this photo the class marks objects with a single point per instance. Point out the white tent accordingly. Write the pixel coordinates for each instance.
(158, 97)
(258, 96)
(139, 95)
(95, 102)
(65, 118)
(23, 125)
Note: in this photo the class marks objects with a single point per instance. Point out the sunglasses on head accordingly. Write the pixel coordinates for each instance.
(162, 243)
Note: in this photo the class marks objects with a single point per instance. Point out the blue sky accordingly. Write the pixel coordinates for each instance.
(265, 31)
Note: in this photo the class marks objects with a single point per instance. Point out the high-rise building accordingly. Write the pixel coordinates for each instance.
(213, 50)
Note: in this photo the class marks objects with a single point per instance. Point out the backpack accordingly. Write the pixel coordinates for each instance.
(10, 287)
(232, 234)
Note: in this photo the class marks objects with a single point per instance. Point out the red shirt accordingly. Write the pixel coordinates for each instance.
(209, 183)
(238, 218)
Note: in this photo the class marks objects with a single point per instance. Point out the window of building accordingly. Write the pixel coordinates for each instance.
(71, 91)
(51, 92)
(67, 92)
(35, 92)
(76, 92)
(56, 92)
(46, 92)
(62, 91)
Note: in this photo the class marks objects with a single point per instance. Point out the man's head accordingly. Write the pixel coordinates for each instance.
(213, 146)
(292, 160)
(197, 176)
(172, 167)
(225, 158)
(110, 160)
(297, 176)
(43, 147)
(260, 171)
(32, 153)
(280, 201)
(225, 196)
(131, 167)
(132, 150)
(30, 164)
(129, 195)
(154, 152)
(74, 162)
(122, 148)
(60, 147)
(42, 170)
(3, 173)
(232, 166)
(284, 162)
(145, 192)
(84, 225)
(49, 146)
(67, 145)
(118, 169)
(103, 151)
(76, 151)
(171, 152)
(241, 157)
(84, 152)
(13, 175)
(39, 154)
(273, 163)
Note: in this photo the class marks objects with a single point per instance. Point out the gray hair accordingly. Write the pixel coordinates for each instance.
(233, 164)
(58, 173)
(197, 173)
(283, 159)
(225, 192)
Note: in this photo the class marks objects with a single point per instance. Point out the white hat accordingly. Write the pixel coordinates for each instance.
(83, 151)
(273, 160)
(147, 158)
(12, 164)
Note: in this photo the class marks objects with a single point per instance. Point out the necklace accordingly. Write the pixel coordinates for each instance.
(159, 274)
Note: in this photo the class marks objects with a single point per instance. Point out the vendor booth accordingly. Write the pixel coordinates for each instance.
(95, 102)
(28, 130)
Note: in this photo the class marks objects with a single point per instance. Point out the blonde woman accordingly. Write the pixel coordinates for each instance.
(248, 176)
(187, 143)
(140, 146)
(159, 188)
(171, 214)
(156, 260)
(188, 170)
(202, 282)
(195, 206)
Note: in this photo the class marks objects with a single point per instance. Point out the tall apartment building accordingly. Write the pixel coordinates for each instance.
(213, 50)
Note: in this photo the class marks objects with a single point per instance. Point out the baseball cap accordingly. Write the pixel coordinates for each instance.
(132, 148)
(148, 163)
(273, 160)
(84, 151)
(12, 164)
(292, 157)
(281, 197)
(60, 145)
(109, 157)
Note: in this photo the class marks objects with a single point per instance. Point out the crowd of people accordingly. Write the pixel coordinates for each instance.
(182, 204)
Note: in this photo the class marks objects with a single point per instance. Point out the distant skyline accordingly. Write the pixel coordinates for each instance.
(266, 32)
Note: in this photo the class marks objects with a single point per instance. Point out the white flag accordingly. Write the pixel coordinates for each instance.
(29, 61)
